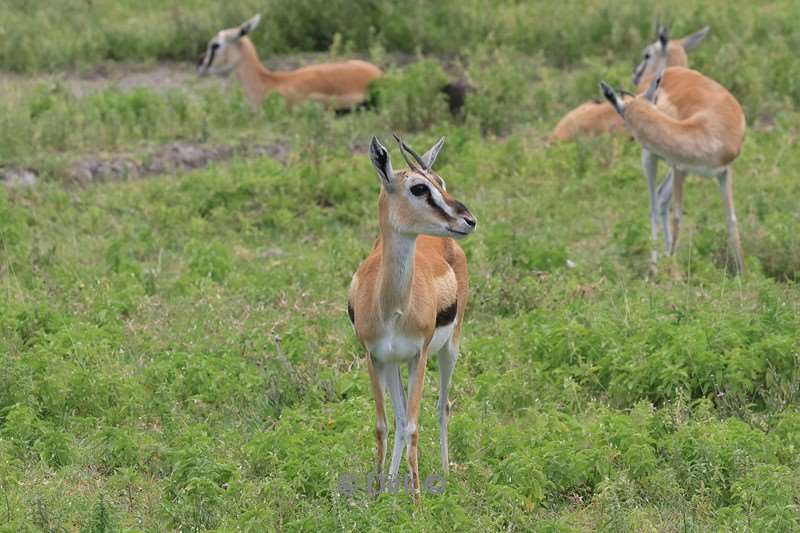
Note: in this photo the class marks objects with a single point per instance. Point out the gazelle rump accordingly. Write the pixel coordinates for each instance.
(598, 116)
(407, 298)
(696, 126)
(336, 85)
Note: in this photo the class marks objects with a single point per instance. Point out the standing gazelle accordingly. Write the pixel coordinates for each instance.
(597, 116)
(336, 85)
(695, 125)
(407, 299)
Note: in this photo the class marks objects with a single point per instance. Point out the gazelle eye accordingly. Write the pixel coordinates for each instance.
(214, 46)
(647, 55)
(419, 190)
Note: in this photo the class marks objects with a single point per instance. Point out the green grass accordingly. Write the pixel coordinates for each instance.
(175, 353)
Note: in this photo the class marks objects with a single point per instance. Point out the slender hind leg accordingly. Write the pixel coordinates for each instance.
(678, 177)
(447, 363)
(664, 199)
(725, 179)
(380, 424)
(394, 383)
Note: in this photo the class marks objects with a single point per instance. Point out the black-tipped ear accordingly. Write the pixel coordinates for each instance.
(663, 37)
(611, 96)
(380, 160)
(249, 26)
(429, 157)
(652, 89)
(691, 41)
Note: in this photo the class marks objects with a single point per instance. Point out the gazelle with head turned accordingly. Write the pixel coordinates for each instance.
(696, 126)
(597, 116)
(407, 298)
(336, 85)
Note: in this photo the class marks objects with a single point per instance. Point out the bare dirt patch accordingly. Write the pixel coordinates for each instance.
(173, 158)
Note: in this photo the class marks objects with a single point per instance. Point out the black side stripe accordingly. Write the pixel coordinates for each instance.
(446, 316)
(351, 313)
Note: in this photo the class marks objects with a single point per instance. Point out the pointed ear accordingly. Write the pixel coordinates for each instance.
(663, 37)
(611, 96)
(429, 157)
(691, 41)
(650, 93)
(249, 26)
(380, 160)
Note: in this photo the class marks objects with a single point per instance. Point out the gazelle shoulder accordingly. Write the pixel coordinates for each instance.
(691, 92)
(437, 255)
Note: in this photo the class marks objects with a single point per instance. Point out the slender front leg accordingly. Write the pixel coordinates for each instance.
(664, 199)
(447, 363)
(380, 424)
(416, 379)
(394, 383)
(726, 188)
(650, 165)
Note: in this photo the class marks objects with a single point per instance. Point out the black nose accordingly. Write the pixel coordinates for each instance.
(470, 221)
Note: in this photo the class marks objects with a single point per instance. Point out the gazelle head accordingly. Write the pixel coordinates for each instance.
(414, 201)
(224, 52)
(646, 98)
(666, 53)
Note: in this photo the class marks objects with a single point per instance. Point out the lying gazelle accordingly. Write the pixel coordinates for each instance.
(407, 299)
(695, 125)
(339, 85)
(597, 116)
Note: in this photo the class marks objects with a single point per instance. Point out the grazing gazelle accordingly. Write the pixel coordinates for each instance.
(336, 85)
(597, 116)
(407, 298)
(695, 125)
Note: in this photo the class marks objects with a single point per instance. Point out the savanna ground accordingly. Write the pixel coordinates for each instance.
(175, 352)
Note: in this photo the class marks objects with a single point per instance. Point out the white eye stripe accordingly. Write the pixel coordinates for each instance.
(436, 196)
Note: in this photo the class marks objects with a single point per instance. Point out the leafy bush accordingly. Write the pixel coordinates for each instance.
(411, 99)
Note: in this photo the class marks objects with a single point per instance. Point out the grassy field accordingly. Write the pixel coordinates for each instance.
(175, 353)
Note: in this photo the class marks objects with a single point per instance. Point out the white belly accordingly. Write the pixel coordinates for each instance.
(699, 170)
(688, 166)
(396, 348)
(441, 336)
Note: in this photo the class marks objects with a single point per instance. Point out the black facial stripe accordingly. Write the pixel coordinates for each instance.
(211, 57)
(351, 313)
(436, 207)
(446, 316)
(459, 207)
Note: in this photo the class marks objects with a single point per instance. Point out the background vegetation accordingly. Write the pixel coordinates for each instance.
(175, 353)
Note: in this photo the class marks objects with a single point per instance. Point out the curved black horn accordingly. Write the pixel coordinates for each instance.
(404, 148)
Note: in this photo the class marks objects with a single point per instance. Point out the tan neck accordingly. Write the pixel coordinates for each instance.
(256, 79)
(397, 269)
